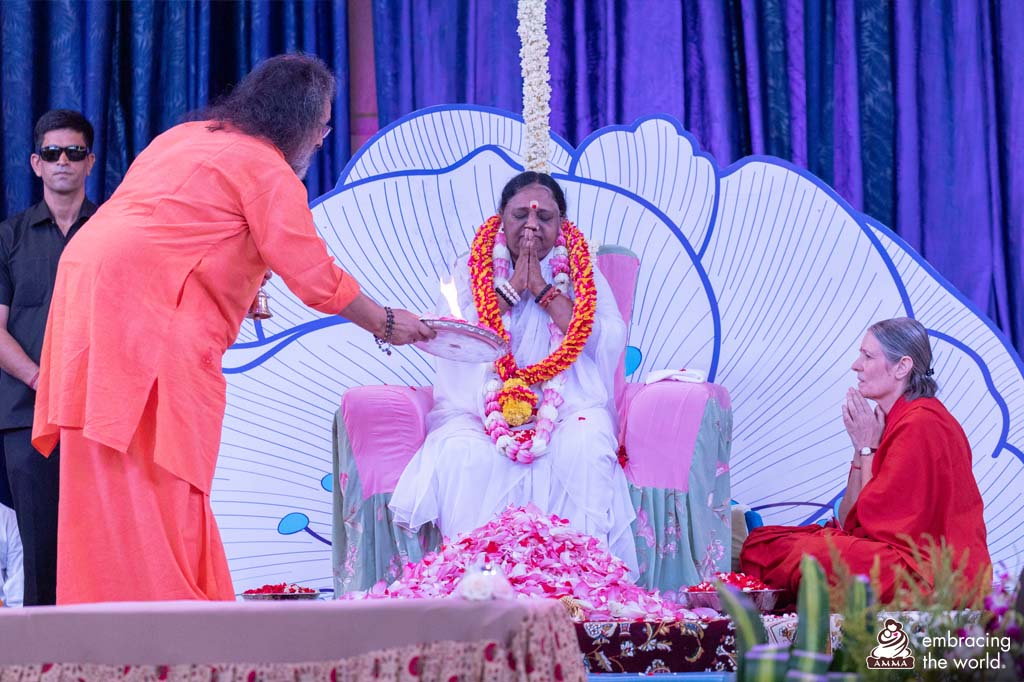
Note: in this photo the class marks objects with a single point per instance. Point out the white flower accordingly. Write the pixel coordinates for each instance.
(547, 412)
(501, 252)
(475, 587)
(562, 280)
(540, 446)
(625, 611)
(493, 385)
(533, 57)
(504, 443)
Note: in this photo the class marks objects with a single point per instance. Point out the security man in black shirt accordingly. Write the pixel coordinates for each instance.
(30, 246)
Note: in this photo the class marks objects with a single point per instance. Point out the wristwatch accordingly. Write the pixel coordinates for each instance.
(866, 451)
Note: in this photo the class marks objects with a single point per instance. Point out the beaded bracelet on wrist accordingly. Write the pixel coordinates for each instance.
(504, 296)
(509, 292)
(389, 329)
(512, 292)
(549, 297)
(543, 293)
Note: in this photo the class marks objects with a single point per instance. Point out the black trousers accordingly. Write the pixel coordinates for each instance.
(34, 482)
(5, 487)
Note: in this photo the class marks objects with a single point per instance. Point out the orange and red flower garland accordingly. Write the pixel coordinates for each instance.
(515, 393)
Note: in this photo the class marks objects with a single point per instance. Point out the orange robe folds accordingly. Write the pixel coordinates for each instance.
(922, 485)
(144, 307)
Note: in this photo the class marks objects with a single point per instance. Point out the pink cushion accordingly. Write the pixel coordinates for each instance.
(620, 268)
(664, 419)
(386, 426)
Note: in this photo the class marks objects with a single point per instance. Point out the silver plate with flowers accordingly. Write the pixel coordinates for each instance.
(462, 341)
(279, 596)
(764, 600)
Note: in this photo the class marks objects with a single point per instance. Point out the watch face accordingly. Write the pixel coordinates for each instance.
(866, 451)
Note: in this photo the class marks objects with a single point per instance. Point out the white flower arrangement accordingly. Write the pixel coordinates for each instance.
(533, 57)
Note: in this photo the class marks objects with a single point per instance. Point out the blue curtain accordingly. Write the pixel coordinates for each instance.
(135, 68)
(444, 51)
(912, 109)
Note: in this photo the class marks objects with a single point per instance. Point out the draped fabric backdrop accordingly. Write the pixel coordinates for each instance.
(912, 109)
(135, 68)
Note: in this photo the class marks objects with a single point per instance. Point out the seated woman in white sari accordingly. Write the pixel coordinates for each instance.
(538, 425)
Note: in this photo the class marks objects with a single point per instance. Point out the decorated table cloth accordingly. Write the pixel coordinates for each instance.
(676, 442)
(675, 646)
(452, 640)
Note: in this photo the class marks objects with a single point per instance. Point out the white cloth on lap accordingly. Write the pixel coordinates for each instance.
(460, 481)
(690, 376)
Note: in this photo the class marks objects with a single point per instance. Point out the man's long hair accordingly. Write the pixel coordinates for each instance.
(282, 100)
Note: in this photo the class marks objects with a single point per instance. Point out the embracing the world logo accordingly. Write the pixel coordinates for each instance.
(893, 650)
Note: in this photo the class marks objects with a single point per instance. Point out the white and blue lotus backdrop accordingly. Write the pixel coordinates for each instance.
(758, 273)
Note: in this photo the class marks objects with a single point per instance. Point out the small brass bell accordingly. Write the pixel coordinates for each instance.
(260, 308)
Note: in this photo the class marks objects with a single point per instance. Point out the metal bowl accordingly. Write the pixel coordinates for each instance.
(280, 596)
(764, 600)
(462, 341)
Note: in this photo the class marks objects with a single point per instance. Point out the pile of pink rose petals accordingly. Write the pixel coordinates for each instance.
(542, 557)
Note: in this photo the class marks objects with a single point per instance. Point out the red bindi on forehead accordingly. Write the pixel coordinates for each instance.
(534, 205)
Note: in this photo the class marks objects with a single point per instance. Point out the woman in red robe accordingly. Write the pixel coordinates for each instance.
(910, 478)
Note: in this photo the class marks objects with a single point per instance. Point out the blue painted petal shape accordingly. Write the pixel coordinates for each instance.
(633, 359)
(327, 483)
(293, 523)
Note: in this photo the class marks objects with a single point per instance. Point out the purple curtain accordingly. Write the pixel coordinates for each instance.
(912, 109)
(442, 52)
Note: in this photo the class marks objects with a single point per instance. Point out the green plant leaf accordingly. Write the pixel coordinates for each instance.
(746, 620)
(812, 646)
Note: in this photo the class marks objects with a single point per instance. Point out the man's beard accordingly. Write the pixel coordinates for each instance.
(301, 166)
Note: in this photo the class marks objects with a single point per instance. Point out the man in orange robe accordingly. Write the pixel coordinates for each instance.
(916, 484)
(144, 307)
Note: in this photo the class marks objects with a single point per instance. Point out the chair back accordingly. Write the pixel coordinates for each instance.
(620, 266)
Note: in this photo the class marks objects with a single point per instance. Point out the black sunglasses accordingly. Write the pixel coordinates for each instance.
(74, 152)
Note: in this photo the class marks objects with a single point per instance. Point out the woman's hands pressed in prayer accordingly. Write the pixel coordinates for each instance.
(526, 275)
(863, 424)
